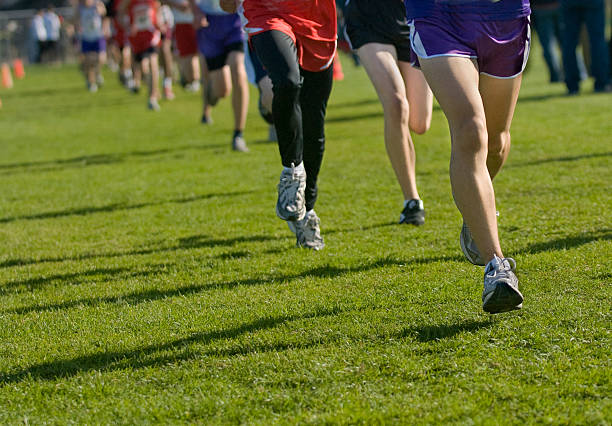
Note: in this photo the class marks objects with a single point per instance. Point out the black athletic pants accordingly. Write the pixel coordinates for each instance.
(300, 102)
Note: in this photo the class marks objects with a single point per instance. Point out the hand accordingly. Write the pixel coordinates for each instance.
(228, 6)
(199, 20)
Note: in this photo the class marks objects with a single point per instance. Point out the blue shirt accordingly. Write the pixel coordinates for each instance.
(481, 10)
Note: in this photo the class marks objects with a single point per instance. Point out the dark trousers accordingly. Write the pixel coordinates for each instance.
(547, 23)
(592, 13)
(299, 106)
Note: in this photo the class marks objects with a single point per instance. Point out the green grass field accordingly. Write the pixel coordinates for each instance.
(144, 276)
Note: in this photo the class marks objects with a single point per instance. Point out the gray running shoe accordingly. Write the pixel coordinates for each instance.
(501, 292)
(291, 187)
(308, 231)
(468, 246)
(239, 144)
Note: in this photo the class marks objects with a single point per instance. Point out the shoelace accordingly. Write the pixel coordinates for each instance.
(502, 268)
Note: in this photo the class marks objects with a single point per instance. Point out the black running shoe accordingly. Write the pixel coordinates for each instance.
(413, 213)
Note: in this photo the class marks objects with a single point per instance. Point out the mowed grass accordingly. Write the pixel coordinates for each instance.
(144, 276)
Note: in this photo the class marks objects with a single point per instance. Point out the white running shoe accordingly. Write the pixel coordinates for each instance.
(501, 292)
(291, 187)
(239, 144)
(308, 231)
(153, 105)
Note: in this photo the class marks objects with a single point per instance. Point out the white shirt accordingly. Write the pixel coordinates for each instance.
(38, 26)
(52, 25)
(181, 17)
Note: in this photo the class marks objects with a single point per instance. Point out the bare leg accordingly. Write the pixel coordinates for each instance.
(455, 81)
(216, 84)
(419, 97)
(380, 62)
(154, 78)
(186, 69)
(166, 56)
(240, 94)
(195, 67)
(499, 97)
(89, 62)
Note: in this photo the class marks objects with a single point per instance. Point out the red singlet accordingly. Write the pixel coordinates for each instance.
(310, 23)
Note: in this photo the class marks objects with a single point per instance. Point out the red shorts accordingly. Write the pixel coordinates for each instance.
(119, 35)
(313, 55)
(186, 42)
(144, 40)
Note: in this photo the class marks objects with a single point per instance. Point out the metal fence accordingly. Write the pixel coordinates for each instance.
(17, 39)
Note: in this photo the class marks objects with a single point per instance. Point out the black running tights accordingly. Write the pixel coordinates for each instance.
(300, 102)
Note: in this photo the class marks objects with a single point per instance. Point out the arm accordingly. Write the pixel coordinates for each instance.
(76, 17)
(178, 5)
(199, 18)
(101, 8)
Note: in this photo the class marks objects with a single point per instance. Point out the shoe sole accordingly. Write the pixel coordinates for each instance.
(467, 253)
(503, 299)
(416, 221)
(291, 218)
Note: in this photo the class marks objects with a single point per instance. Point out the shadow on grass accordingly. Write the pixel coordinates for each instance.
(542, 97)
(430, 333)
(354, 117)
(146, 356)
(563, 159)
(353, 104)
(568, 242)
(44, 91)
(187, 243)
(154, 294)
(97, 159)
(83, 211)
(74, 278)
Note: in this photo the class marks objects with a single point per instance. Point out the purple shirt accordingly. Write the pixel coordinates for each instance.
(480, 10)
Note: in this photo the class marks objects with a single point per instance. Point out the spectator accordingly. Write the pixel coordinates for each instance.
(52, 25)
(39, 33)
(546, 17)
(591, 12)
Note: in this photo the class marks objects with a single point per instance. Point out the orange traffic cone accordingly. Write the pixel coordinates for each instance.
(18, 69)
(7, 79)
(338, 74)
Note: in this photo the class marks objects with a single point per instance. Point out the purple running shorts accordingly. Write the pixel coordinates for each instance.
(501, 48)
(222, 35)
(95, 46)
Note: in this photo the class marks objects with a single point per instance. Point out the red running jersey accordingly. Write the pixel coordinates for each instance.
(313, 19)
(144, 33)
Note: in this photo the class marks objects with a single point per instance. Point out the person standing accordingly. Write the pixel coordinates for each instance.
(39, 33)
(53, 26)
(546, 16)
(592, 13)
(295, 41)
(379, 32)
(473, 53)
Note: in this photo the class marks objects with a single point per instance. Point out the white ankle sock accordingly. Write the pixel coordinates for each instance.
(299, 167)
